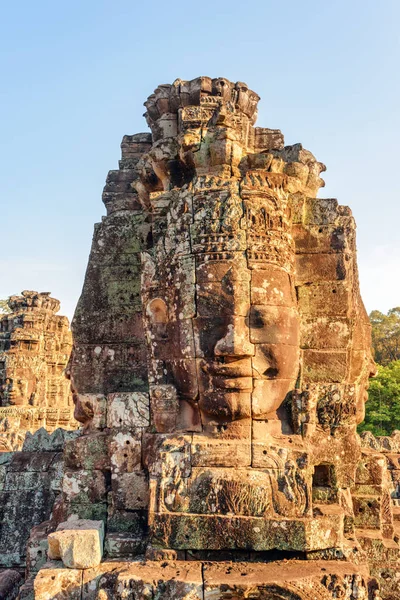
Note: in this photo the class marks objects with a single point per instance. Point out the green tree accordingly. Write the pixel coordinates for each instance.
(386, 335)
(382, 411)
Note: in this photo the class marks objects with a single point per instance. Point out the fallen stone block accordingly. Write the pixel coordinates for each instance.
(78, 543)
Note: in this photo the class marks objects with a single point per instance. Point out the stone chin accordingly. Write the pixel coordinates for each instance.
(83, 411)
(224, 406)
(362, 399)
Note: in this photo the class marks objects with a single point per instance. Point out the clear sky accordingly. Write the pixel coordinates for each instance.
(74, 75)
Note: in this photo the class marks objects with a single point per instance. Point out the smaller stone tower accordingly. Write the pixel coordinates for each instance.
(35, 345)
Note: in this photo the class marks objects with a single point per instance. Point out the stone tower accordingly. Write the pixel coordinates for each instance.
(35, 345)
(220, 367)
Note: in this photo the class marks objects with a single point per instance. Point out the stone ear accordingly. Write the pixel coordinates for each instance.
(157, 311)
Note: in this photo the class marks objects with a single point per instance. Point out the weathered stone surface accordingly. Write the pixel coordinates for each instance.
(220, 368)
(43, 441)
(37, 547)
(84, 487)
(55, 582)
(78, 543)
(10, 582)
(130, 491)
(35, 346)
(127, 410)
(291, 579)
(31, 483)
(88, 453)
(180, 581)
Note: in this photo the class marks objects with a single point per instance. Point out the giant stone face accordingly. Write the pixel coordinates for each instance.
(222, 319)
(221, 344)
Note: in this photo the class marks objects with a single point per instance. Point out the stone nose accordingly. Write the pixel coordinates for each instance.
(236, 342)
(373, 368)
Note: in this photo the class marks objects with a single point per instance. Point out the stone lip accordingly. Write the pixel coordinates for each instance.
(78, 543)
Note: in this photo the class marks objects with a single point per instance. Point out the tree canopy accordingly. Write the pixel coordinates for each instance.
(386, 335)
(382, 414)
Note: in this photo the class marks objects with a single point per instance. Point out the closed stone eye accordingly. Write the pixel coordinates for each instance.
(256, 320)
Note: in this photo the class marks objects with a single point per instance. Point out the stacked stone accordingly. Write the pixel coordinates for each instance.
(104, 477)
(35, 345)
(30, 483)
(220, 368)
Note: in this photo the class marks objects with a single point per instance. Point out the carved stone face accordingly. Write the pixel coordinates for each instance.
(222, 328)
(223, 88)
(367, 370)
(247, 348)
(19, 393)
(5, 389)
(362, 364)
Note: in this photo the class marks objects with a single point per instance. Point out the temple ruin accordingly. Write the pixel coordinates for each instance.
(219, 369)
(35, 346)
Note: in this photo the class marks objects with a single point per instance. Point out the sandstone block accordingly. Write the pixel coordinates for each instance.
(130, 490)
(274, 325)
(156, 448)
(79, 544)
(35, 462)
(37, 546)
(371, 469)
(319, 299)
(123, 521)
(329, 366)
(89, 452)
(321, 211)
(216, 532)
(92, 409)
(148, 580)
(289, 579)
(322, 238)
(271, 287)
(120, 545)
(63, 584)
(323, 333)
(94, 511)
(125, 449)
(267, 393)
(206, 451)
(84, 486)
(311, 268)
(20, 510)
(128, 409)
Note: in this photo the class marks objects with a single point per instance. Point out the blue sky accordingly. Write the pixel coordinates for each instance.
(75, 75)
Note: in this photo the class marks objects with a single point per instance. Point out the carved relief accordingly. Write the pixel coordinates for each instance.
(249, 347)
(35, 345)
